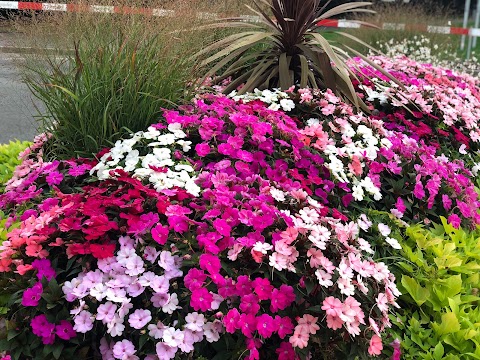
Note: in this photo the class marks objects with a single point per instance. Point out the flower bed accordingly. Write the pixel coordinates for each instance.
(237, 226)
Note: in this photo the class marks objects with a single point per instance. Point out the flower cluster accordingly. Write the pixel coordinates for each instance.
(259, 253)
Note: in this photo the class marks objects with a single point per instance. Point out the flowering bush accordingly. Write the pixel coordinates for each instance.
(218, 226)
(239, 227)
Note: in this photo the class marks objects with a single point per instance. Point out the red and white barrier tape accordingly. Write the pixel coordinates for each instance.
(23, 5)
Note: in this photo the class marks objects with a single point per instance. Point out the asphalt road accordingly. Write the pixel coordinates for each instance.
(17, 108)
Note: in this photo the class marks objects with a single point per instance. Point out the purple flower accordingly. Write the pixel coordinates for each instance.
(54, 178)
(32, 295)
(123, 349)
(44, 268)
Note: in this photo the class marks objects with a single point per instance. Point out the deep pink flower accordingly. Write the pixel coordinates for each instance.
(201, 299)
(222, 227)
(262, 288)
(231, 321)
(250, 304)
(247, 324)
(284, 326)
(160, 234)
(243, 285)
(286, 351)
(281, 298)
(266, 325)
(44, 269)
(210, 263)
(194, 279)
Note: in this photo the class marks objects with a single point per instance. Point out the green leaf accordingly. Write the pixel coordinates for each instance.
(438, 352)
(57, 351)
(418, 293)
(448, 325)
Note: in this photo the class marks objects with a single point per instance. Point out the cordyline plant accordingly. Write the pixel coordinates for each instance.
(291, 49)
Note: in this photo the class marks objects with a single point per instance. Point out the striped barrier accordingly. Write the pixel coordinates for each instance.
(72, 7)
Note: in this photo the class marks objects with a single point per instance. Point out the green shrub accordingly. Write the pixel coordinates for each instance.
(9, 158)
(439, 315)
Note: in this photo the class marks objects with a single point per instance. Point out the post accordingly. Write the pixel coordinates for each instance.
(477, 22)
(466, 15)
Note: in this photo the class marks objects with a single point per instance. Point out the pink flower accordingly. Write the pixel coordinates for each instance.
(54, 178)
(376, 346)
(308, 323)
(334, 322)
(285, 351)
(262, 288)
(281, 298)
(194, 279)
(222, 227)
(123, 349)
(299, 339)
(139, 318)
(266, 325)
(250, 304)
(284, 326)
(247, 324)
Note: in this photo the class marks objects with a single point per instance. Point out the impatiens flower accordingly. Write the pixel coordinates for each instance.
(83, 322)
(266, 325)
(32, 295)
(299, 339)
(160, 234)
(285, 351)
(231, 321)
(54, 178)
(376, 346)
(201, 299)
(64, 330)
(123, 349)
(393, 243)
(308, 323)
(210, 263)
(384, 229)
(202, 149)
(195, 321)
(454, 220)
(139, 318)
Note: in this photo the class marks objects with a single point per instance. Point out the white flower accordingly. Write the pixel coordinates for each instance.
(357, 192)
(313, 121)
(171, 305)
(287, 104)
(277, 194)
(324, 278)
(384, 229)
(172, 337)
(166, 139)
(262, 247)
(393, 243)
(195, 321)
(186, 145)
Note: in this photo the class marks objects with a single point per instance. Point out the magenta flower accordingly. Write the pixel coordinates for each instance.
(43, 329)
(64, 330)
(247, 324)
(54, 178)
(454, 220)
(262, 288)
(266, 325)
(202, 149)
(222, 227)
(32, 295)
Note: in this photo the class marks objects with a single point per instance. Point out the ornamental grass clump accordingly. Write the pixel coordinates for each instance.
(288, 50)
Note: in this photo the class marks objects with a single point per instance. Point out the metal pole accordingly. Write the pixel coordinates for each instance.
(466, 14)
(477, 22)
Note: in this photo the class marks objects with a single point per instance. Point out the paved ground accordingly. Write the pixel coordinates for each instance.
(16, 104)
